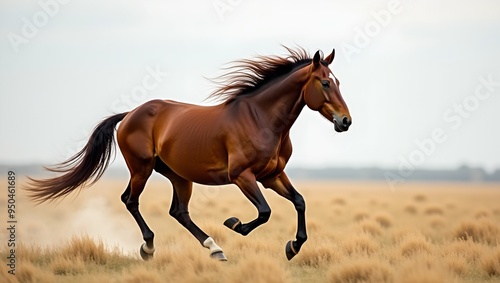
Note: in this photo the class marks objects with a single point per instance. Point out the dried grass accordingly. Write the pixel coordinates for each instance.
(363, 236)
(362, 244)
(411, 209)
(482, 231)
(67, 266)
(259, 268)
(457, 264)
(362, 270)
(86, 249)
(414, 244)
(371, 227)
(319, 255)
(468, 249)
(420, 198)
(432, 210)
(424, 269)
(384, 219)
(361, 215)
(141, 274)
(339, 201)
(491, 263)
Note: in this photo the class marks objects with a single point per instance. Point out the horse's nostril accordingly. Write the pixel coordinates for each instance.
(345, 122)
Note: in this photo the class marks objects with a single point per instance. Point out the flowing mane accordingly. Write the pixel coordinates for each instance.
(247, 75)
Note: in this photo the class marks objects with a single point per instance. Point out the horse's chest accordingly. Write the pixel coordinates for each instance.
(264, 156)
(269, 166)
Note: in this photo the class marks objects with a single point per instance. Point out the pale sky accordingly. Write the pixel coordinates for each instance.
(410, 72)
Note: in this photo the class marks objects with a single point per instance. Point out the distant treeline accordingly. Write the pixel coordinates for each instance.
(461, 174)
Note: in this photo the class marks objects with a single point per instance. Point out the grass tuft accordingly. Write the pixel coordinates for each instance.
(434, 210)
(141, 274)
(319, 255)
(384, 219)
(411, 209)
(62, 265)
(361, 215)
(414, 244)
(420, 198)
(260, 268)
(481, 231)
(362, 244)
(360, 271)
(491, 263)
(424, 269)
(371, 227)
(87, 249)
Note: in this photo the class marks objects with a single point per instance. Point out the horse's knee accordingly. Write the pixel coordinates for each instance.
(264, 215)
(124, 197)
(132, 206)
(299, 203)
(173, 213)
(181, 217)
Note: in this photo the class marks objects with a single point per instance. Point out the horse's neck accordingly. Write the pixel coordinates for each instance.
(282, 102)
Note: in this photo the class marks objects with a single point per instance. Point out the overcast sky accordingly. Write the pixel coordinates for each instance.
(421, 78)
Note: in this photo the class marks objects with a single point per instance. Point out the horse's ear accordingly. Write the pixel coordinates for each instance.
(330, 57)
(316, 59)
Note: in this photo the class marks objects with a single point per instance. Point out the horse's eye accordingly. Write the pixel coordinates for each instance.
(325, 83)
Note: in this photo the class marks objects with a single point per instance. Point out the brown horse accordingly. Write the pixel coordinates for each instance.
(243, 140)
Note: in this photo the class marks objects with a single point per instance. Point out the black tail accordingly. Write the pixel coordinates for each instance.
(83, 169)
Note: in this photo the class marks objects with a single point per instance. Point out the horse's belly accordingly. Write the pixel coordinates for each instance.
(200, 164)
(203, 176)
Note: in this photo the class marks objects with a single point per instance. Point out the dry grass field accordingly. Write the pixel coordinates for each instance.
(358, 232)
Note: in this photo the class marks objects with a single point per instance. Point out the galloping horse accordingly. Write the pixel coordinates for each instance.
(243, 140)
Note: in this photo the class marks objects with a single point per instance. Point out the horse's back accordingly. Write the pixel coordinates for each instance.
(152, 114)
(188, 138)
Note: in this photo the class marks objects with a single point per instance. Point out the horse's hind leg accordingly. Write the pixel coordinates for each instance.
(140, 170)
(135, 139)
(182, 190)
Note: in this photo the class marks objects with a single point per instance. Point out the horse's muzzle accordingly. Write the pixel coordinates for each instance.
(341, 124)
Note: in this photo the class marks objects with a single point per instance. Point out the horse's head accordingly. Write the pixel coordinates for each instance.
(322, 93)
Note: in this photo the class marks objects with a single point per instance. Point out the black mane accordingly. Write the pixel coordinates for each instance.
(247, 75)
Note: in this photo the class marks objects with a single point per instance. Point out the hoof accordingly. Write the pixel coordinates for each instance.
(289, 250)
(218, 256)
(233, 223)
(145, 255)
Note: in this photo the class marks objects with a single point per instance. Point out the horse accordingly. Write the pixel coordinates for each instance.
(243, 140)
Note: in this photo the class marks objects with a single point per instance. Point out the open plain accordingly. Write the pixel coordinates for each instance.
(358, 232)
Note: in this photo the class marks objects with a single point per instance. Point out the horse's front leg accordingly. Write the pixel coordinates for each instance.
(284, 188)
(248, 185)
